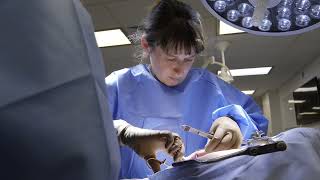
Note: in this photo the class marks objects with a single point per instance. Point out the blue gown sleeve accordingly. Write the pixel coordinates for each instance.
(112, 92)
(242, 109)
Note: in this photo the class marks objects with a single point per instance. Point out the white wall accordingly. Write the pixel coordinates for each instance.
(272, 111)
(288, 114)
(266, 108)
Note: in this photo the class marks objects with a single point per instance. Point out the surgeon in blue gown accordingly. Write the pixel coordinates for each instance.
(168, 92)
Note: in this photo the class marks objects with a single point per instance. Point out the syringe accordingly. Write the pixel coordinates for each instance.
(196, 131)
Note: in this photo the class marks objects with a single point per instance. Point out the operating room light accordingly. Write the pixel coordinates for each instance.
(316, 108)
(308, 113)
(296, 101)
(250, 71)
(267, 17)
(113, 37)
(248, 92)
(307, 89)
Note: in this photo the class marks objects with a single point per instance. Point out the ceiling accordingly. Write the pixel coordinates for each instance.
(287, 55)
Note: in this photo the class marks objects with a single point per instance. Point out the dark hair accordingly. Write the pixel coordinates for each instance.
(173, 25)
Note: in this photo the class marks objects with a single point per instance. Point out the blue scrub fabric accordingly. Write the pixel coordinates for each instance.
(54, 118)
(301, 160)
(140, 99)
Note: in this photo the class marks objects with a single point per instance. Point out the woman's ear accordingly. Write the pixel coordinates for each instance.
(144, 44)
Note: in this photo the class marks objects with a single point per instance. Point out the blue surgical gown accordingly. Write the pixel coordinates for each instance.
(136, 96)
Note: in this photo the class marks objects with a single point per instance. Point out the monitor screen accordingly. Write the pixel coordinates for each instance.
(307, 102)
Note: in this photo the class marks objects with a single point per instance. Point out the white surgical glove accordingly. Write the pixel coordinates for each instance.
(146, 142)
(226, 135)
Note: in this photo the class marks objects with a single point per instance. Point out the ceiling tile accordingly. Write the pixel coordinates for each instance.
(101, 18)
(130, 13)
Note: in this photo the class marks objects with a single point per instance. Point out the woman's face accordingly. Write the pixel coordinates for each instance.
(171, 68)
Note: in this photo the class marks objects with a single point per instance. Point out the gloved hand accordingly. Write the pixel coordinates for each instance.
(147, 142)
(226, 135)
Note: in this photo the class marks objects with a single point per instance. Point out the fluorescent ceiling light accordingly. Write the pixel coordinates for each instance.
(308, 113)
(248, 92)
(316, 108)
(113, 37)
(306, 89)
(296, 101)
(227, 29)
(250, 71)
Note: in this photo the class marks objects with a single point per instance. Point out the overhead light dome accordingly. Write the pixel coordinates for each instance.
(267, 17)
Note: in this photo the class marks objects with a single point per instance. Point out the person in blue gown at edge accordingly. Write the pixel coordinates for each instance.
(167, 93)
